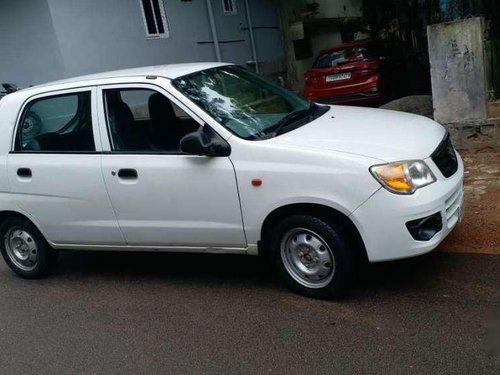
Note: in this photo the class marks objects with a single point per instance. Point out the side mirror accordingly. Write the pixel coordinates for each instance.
(205, 142)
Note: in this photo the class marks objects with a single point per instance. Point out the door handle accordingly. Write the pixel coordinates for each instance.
(24, 172)
(129, 174)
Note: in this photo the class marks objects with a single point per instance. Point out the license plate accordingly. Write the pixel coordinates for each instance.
(338, 77)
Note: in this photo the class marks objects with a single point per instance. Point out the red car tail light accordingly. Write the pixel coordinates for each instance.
(312, 80)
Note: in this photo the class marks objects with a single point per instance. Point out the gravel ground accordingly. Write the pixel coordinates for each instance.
(480, 230)
(416, 104)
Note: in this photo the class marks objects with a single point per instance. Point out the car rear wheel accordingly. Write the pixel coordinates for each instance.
(313, 256)
(24, 249)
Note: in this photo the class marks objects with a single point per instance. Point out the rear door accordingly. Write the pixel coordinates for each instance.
(162, 197)
(54, 169)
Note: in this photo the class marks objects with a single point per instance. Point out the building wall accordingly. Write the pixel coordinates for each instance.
(63, 38)
(339, 8)
(268, 33)
(234, 34)
(100, 35)
(29, 51)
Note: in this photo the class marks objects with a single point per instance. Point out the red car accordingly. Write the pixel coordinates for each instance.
(364, 72)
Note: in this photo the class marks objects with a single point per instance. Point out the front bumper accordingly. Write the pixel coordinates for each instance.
(370, 98)
(382, 219)
(362, 93)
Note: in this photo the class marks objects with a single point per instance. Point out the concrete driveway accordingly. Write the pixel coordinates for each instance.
(111, 313)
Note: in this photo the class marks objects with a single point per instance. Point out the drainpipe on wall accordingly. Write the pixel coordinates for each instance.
(252, 39)
(214, 30)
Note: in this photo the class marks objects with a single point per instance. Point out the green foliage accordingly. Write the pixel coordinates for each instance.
(493, 46)
(381, 14)
(492, 13)
(377, 15)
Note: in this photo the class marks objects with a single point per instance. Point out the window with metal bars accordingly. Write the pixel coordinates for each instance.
(155, 19)
(229, 6)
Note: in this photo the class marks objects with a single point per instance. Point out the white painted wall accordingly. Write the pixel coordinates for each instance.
(44, 40)
(29, 50)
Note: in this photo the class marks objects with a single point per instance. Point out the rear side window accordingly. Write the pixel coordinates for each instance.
(61, 123)
(347, 55)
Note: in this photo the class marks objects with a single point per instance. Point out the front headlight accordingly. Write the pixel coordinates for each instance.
(403, 177)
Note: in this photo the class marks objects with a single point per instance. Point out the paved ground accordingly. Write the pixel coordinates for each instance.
(165, 313)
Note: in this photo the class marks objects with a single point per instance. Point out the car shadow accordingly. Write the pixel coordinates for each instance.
(404, 276)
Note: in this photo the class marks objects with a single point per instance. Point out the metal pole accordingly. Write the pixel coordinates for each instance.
(252, 39)
(214, 31)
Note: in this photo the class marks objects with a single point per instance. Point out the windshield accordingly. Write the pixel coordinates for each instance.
(243, 102)
(346, 55)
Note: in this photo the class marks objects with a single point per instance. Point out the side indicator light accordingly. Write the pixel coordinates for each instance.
(256, 182)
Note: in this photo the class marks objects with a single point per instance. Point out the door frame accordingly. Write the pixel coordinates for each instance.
(96, 153)
(105, 135)
(94, 113)
(101, 109)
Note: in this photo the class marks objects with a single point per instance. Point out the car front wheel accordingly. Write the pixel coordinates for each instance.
(313, 256)
(24, 248)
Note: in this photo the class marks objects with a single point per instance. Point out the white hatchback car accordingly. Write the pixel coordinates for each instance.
(213, 158)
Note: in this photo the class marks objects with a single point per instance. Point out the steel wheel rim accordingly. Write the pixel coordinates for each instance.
(307, 258)
(21, 249)
(28, 125)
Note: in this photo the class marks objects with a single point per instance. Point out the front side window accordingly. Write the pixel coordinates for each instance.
(244, 103)
(155, 19)
(57, 123)
(144, 120)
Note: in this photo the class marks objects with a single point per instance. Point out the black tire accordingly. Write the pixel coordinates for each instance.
(338, 242)
(44, 254)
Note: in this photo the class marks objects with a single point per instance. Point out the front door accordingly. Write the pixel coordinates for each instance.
(55, 170)
(162, 197)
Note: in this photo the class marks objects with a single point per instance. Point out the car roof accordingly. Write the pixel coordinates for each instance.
(356, 43)
(170, 71)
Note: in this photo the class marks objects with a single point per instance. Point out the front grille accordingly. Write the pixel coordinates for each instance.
(445, 158)
(453, 206)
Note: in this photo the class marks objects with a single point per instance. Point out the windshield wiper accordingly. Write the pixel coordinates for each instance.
(291, 118)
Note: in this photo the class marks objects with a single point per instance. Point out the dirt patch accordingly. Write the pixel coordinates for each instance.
(479, 232)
